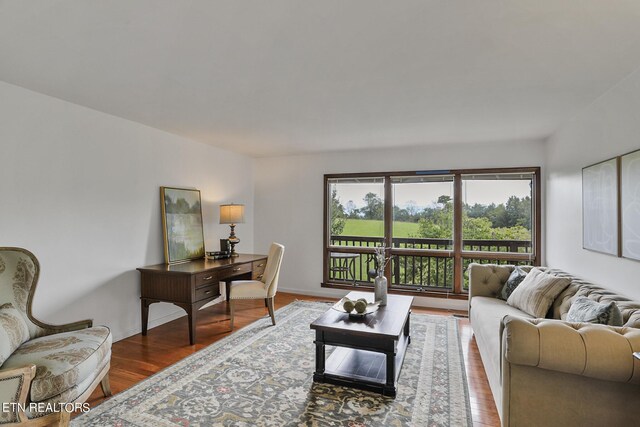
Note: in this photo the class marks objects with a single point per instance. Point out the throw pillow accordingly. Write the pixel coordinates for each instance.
(516, 277)
(537, 292)
(13, 331)
(585, 310)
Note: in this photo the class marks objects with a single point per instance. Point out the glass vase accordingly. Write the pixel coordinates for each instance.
(380, 289)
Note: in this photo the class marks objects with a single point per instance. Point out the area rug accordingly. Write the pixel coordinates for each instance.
(262, 376)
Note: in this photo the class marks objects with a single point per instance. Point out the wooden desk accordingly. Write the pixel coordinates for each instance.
(192, 284)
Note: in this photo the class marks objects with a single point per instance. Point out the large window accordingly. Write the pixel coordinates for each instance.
(433, 224)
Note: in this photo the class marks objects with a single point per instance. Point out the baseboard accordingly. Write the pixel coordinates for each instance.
(178, 313)
(120, 335)
(440, 303)
(322, 292)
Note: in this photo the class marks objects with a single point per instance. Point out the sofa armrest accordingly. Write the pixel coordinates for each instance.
(14, 389)
(596, 351)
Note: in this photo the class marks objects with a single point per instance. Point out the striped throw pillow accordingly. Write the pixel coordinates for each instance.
(537, 292)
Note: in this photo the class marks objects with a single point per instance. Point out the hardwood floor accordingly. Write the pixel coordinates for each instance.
(137, 357)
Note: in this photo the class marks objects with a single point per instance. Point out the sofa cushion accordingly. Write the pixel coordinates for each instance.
(516, 277)
(13, 331)
(537, 292)
(585, 310)
(62, 360)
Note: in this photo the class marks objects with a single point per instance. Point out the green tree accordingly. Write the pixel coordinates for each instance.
(350, 210)
(518, 212)
(437, 223)
(444, 200)
(510, 221)
(412, 210)
(373, 208)
(479, 222)
(337, 215)
(400, 214)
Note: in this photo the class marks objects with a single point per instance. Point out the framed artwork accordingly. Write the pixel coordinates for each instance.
(600, 207)
(630, 204)
(181, 224)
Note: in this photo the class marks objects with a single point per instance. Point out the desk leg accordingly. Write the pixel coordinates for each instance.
(144, 305)
(191, 310)
(191, 314)
(227, 285)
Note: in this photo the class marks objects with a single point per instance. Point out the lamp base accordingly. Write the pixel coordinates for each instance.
(233, 241)
(233, 251)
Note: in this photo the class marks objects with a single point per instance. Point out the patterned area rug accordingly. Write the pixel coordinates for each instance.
(262, 375)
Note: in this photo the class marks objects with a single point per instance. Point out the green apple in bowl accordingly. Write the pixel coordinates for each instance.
(360, 306)
(348, 305)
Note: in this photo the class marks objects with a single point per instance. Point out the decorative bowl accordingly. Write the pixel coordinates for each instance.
(372, 307)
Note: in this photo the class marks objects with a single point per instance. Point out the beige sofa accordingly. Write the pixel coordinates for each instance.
(549, 372)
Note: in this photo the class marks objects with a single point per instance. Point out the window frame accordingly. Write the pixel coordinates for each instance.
(457, 253)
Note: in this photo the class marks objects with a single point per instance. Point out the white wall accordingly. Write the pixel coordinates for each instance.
(607, 128)
(80, 189)
(289, 192)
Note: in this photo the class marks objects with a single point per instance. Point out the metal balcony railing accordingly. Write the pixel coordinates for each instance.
(413, 270)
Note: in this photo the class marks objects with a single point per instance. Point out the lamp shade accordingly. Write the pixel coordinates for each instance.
(231, 214)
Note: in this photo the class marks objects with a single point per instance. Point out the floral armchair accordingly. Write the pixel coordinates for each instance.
(48, 365)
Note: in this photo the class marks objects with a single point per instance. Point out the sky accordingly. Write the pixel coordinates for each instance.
(426, 194)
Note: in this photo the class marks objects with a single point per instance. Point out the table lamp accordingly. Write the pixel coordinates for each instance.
(232, 214)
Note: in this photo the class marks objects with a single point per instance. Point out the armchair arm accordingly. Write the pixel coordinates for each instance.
(68, 327)
(14, 389)
(596, 351)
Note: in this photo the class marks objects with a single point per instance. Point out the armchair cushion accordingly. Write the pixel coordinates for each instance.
(63, 360)
(13, 331)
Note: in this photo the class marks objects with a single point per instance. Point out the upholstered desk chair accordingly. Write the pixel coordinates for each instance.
(257, 289)
(51, 364)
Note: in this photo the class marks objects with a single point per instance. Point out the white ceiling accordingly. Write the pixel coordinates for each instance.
(291, 76)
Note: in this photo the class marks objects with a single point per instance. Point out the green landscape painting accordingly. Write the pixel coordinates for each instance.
(182, 212)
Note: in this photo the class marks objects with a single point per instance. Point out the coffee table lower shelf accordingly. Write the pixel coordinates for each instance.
(364, 369)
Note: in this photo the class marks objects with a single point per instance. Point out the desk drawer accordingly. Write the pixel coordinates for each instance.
(208, 292)
(206, 277)
(235, 270)
(258, 269)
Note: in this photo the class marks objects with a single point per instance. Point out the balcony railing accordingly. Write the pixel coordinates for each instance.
(416, 271)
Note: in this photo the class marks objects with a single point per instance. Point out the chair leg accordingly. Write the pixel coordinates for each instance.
(270, 307)
(231, 311)
(64, 418)
(105, 385)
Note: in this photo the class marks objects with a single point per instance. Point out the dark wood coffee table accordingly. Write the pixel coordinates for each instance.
(370, 350)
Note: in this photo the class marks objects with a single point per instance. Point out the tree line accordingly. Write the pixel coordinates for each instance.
(504, 221)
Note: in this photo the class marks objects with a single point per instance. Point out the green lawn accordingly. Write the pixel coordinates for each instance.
(375, 228)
